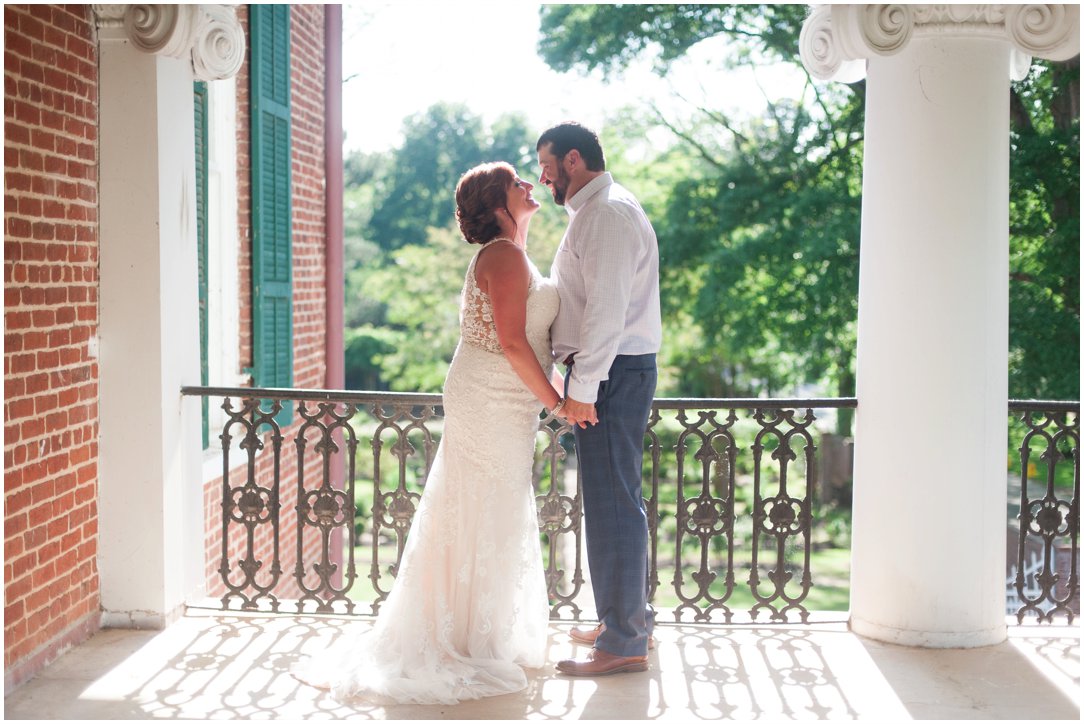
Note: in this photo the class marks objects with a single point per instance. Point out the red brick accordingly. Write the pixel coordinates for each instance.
(65, 232)
(39, 516)
(17, 588)
(37, 383)
(42, 185)
(28, 114)
(42, 491)
(54, 530)
(23, 565)
(50, 550)
(43, 231)
(32, 296)
(22, 363)
(13, 611)
(19, 408)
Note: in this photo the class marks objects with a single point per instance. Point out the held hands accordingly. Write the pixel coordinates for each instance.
(569, 409)
(579, 413)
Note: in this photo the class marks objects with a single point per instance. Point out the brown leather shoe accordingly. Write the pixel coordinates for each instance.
(601, 663)
(586, 636)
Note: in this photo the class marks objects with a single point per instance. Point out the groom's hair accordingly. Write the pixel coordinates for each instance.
(571, 135)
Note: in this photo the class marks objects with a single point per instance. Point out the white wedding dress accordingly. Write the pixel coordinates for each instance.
(469, 606)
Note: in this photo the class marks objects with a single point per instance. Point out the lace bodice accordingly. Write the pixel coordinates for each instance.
(476, 323)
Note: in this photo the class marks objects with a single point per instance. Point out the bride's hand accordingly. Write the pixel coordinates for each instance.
(579, 413)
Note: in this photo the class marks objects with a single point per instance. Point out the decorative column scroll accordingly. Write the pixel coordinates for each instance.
(209, 34)
(837, 39)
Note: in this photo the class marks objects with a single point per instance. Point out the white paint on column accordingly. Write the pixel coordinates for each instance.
(151, 520)
(932, 381)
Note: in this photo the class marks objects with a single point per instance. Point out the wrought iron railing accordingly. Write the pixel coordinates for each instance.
(1047, 580)
(732, 489)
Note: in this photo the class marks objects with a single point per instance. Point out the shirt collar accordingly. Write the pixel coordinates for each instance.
(589, 189)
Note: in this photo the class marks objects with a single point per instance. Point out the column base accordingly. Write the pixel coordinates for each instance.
(141, 620)
(929, 639)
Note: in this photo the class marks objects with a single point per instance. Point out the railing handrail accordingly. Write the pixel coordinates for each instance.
(665, 403)
(294, 394)
(1044, 406)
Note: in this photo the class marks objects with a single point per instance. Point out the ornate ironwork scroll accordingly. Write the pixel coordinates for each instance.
(696, 501)
(250, 506)
(779, 516)
(324, 509)
(1048, 516)
(702, 514)
(560, 518)
(393, 510)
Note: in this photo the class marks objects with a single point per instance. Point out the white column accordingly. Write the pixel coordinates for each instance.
(150, 497)
(928, 546)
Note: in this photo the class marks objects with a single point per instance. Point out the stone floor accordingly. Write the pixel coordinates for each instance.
(236, 667)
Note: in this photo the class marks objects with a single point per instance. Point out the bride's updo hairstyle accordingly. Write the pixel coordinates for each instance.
(480, 193)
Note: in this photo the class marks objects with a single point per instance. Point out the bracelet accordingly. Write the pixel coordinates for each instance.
(552, 414)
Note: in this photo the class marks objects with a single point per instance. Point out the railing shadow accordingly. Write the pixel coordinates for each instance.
(227, 666)
(1003, 681)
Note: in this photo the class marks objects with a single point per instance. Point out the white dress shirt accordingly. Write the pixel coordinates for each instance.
(607, 274)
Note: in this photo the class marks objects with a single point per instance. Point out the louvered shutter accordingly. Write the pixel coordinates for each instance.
(199, 97)
(272, 280)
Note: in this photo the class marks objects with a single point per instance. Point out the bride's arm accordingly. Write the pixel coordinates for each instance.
(503, 273)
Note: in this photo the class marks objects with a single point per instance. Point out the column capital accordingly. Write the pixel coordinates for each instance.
(836, 40)
(210, 34)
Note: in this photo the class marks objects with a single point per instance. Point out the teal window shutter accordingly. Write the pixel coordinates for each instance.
(199, 96)
(272, 275)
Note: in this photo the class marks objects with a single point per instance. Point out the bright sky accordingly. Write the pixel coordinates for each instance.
(402, 56)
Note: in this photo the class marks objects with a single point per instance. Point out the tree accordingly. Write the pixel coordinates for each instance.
(438, 146)
(405, 256)
(760, 242)
(419, 290)
(609, 37)
(1044, 218)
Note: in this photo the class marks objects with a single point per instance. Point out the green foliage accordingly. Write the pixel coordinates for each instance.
(759, 234)
(439, 144)
(759, 239)
(364, 345)
(1044, 218)
(765, 245)
(405, 259)
(758, 221)
(609, 37)
(419, 288)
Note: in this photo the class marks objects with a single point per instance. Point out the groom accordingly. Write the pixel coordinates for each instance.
(607, 332)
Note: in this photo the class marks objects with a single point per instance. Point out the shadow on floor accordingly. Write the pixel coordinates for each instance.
(237, 667)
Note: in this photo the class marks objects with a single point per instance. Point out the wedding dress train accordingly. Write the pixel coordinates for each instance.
(468, 608)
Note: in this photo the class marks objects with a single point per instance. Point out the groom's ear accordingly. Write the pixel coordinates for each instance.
(573, 158)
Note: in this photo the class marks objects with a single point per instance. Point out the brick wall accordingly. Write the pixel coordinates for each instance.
(51, 317)
(310, 231)
(309, 313)
(244, 203)
(52, 597)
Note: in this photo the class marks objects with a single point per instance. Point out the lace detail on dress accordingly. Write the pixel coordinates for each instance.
(476, 325)
(468, 607)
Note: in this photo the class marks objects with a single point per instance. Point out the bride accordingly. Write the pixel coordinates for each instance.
(469, 606)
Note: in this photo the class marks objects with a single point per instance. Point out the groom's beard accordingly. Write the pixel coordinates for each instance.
(559, 187)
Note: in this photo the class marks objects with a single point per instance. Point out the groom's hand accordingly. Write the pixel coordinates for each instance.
(579, 413)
